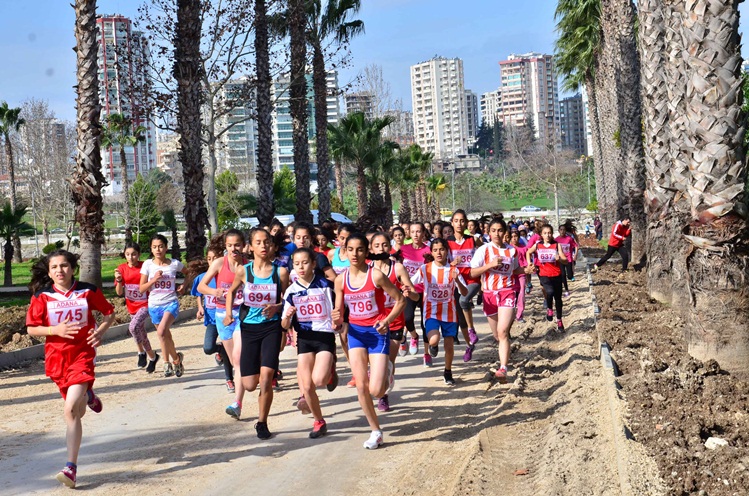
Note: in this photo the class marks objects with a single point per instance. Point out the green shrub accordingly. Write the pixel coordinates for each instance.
(57, 245)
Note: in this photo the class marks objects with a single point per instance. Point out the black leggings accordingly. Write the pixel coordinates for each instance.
(553, 288)
(410, 314)
(610, 251)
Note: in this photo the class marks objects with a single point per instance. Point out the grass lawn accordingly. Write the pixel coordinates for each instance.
(22, 271)
(518, 203)
(20, 301)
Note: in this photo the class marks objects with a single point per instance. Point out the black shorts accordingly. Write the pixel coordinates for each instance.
(261, 345)
(397, 335)
(315, 342)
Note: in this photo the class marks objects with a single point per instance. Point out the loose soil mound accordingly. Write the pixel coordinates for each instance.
(676, 403)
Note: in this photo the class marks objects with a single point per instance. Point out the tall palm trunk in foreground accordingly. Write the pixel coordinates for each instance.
(265, 210)
(298, 107)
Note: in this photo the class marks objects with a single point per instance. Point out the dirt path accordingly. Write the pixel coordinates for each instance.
(553, 421)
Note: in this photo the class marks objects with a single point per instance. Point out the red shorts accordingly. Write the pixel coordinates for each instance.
(494, 300)
(69, 364)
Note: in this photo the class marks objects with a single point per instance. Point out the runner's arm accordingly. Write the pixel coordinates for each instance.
(383, 282)
(338, 310)
(213, 270)
(405, 281)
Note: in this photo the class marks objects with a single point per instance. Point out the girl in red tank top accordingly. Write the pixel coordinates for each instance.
(368, 339)
(549, 256)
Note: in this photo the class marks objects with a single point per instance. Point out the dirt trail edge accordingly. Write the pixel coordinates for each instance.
(552, 421)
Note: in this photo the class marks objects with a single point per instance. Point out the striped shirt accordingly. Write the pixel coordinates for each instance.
(500, 277)
(439, 290)
(313, 303)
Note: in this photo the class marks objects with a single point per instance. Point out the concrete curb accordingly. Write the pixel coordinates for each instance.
(16, 358)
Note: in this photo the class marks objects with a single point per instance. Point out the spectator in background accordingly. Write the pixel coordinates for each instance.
(598, 226)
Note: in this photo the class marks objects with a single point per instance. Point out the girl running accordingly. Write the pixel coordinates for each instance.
(439, 281)
(569, 247)
(263, 283)
(323, 242)
(462, 249)
(399, 238)
(221, 274)
(496, 263)
(127, 282)
(304, 238)
(397, 275)
(207, 313)
(549, 256)
(357, 288)
(308, 307)
(340, 263)
(61, 311)
(158, 278)
(521, 250)
(413, 259)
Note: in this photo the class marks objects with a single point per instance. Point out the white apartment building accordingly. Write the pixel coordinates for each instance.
(121, 70)
(360, 101)
(472, 116)
(530, 91)
(490, 105)
(439, 108)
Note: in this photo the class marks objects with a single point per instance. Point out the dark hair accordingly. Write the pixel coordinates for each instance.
(40, 270)
(256, 230)
(428, 257)
(216, 244)
(194, 269)
(310, 253)
(234, 232)
(544, 227)
(131, 244)
(348, 227)
(399, 228)
(275, 222)
(627, 217)
(379, 256)
(423, 227)
(159, 237)
(500, 221)
(304, 226)
(461, 212)
(358, 237)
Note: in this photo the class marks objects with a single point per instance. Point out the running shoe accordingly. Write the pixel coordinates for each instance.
(413, 346)
(391, 377)
(384, 404)
(262, 430)
(289, 341)
(302, 406)
(560, 326)
(168, 369)
(549, 314)
(594, 269)
(434, 350)
(179, 368)
(403, 350)
(275, 385)
(151, 368)
(448, 376)
(319, 429)
(66, 476)
(234, 410)
(501, 375)
(528, 290)
(230, 386)
(141, 360)
(374, 441)
(572, 279)
(333, 382)
(94, 403)
(566, 294)
(351, 383)
(521, 320)
(427, 360)
(473, 338)
(219, 360)
(468, 355)
(279, 375)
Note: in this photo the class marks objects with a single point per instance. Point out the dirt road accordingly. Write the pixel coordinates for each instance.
(173, 435)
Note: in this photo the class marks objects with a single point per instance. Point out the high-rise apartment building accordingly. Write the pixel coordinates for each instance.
(572, 124)
(360, 101)
(122, 58)
(530, 92)
(401, 130)
(472, 115)
(490, 106)
(439, 108)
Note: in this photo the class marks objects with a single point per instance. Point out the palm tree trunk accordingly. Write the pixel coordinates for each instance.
(376, 204)
(339, 180)
(361, 189)
(298, 107)
(8, 259)
(211, 202)
(595, 131)
(126, 194)
(188, 72)
(404, 212)
(13, 202)
(422, 207)
(321, 125)
(388, 220)
(266, 202)
(88, 179)
(717, 265)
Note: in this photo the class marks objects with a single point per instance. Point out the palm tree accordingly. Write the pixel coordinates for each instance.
(436, 186)
(121, 133)
(298, 106)
(11, 226)
(380, 175)
(10, 121)
(356, 140)
(88, 179)
(265, 209)
(188, 74)
(405, 177)
(322, 24)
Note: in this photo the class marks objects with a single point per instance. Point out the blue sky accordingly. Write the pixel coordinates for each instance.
(36, 40)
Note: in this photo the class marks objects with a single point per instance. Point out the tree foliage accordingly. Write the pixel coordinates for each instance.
(144, 212)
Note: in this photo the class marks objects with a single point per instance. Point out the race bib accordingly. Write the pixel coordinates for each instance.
(467, 256)
(339, 269)
(237, 297)
(164, 285)
(310, 308)
(412, 266)
(259, 295)
(546, 255)
(565, 248)
(440, 293)
(361, 305)
(132, 293)
(504, 268)
(210, 302)
(74, 311)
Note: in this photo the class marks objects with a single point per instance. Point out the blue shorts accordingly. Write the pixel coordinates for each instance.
(226, 332)
(449, 329)
(157, 312)
(369, 338)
